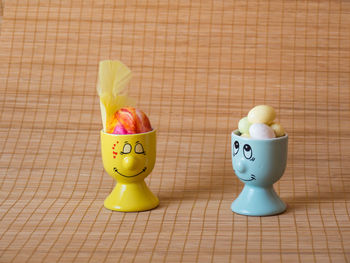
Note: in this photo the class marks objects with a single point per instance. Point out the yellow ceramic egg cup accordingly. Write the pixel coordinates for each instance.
(129, 159)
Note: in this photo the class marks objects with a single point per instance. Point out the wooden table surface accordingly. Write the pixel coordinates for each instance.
(198, 67)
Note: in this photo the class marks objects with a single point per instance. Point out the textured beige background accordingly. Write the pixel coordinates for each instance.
(198, 67)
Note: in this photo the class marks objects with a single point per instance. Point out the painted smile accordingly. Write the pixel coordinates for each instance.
(116, 170)
(252, 178)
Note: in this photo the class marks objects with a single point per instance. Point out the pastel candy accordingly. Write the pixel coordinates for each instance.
(129, 120)
(278, 129)
(261, 131)
(243, 125)
(262, 114)
(245, 135)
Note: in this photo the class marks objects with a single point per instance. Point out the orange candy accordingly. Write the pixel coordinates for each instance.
(129, 120)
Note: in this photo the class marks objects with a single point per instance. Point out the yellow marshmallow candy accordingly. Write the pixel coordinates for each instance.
(278, 129)
(262, 114)
(243, 125)
(245, 135)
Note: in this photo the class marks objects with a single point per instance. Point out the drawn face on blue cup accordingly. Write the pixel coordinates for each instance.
(258, 162)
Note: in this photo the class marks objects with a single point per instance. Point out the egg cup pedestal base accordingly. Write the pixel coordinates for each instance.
(131, 197)
(258, 201)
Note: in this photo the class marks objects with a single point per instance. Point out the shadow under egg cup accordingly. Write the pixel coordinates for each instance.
(129, 159)
(258, 164)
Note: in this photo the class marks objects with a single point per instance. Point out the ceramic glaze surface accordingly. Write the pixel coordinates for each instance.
(258, 164)
(129, 159)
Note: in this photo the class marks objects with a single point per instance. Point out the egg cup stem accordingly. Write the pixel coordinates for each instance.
(258, 201)
(131, 197)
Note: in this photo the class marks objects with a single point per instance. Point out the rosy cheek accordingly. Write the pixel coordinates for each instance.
(114, 153)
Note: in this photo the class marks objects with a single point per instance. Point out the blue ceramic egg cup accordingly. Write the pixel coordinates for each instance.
(258, 164)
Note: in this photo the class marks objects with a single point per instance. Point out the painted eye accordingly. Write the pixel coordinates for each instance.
(247, 151)
(126, 148)
(235, 147)
(139, 148)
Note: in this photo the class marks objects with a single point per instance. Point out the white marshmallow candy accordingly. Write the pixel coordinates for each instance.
(261, 131)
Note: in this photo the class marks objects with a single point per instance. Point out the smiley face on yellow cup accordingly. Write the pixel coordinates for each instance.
(129, 159)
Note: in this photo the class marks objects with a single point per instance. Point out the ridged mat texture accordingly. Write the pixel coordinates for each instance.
(198, 67)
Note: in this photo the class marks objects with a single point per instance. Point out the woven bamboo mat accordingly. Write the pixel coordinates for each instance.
(198, 67)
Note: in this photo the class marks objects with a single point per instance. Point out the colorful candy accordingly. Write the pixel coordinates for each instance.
(261, 131)
(278, 129)
(245, 135)
(129, 120)
(259, 124)
(243, 125)
(262, 114)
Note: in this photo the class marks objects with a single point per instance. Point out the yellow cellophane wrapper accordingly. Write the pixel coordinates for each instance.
(113, 78)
